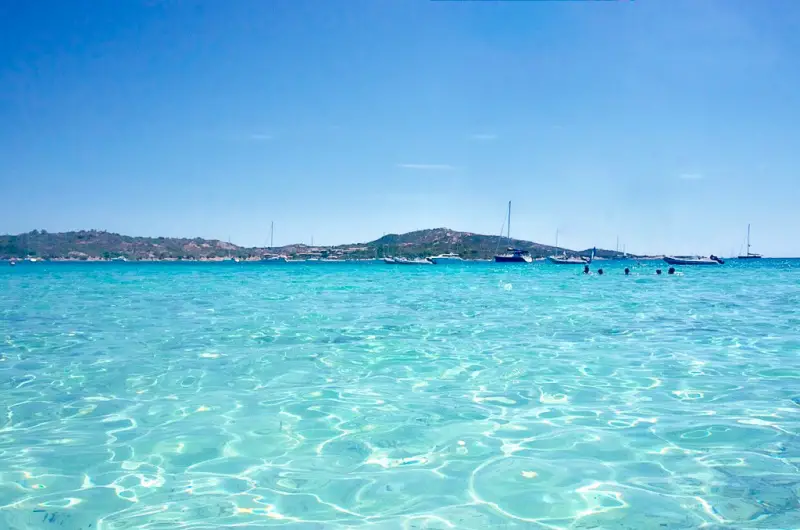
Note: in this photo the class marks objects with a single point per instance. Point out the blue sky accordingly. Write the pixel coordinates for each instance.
(671, 124)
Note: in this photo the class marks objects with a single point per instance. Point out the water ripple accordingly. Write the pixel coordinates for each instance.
(364, 396)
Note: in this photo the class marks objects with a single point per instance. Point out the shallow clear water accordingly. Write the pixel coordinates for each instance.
(325, 396)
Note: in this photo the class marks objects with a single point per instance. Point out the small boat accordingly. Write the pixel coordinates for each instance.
(406, 261)
(689, 260)
(513, 255)
(275, 259)
(571, 260)
(568, 260)
(563, 259)
(446, 258)
(12, 263)
(119, 258)
(749, 254)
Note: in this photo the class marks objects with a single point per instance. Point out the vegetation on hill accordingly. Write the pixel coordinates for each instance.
(468, 245)
(94, 244)
(98, 244)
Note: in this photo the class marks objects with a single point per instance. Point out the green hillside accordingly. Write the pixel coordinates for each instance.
(98, 244)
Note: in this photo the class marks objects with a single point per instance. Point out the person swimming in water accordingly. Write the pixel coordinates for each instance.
(658, 271)
(600, 272)
(586, 269)
(627, 271)
(671, 270)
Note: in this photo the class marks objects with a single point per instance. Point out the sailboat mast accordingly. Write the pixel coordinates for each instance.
(509, 223)
(748, 239)
(556, 238)
(271, 234)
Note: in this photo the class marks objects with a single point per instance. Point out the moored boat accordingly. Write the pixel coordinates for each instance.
(446, 258)
(512, 255)
(572, 260)
(568, 260)
(749, 255)
(406, 261)
(693, 260)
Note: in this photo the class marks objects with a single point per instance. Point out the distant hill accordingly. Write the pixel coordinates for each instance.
(88, 244)
(98, 244)
(468, 245)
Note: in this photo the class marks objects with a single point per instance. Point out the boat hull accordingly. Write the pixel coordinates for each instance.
(754, 256)
(513, 259)
(685, 261)
(567, 261)
(401, 261)
(440, 261)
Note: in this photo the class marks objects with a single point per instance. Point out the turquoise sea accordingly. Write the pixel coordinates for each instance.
(333, 396)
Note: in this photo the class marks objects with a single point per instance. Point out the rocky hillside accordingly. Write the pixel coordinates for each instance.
(439, 240)
(98, 244)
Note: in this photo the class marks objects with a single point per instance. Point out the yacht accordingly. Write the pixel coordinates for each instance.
(749, 254)
(446, 258)
(406, 261)
(513, 255)
(563, 259)
(693, 260)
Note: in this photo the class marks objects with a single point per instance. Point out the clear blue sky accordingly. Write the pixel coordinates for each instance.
(668, 123)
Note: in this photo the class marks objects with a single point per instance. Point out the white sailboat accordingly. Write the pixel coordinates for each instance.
(273, 259)
(563, 259)
(512, 255)
(749, 254)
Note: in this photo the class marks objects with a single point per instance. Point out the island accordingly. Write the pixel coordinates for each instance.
(99, 245)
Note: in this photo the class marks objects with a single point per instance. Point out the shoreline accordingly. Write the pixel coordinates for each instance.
(18, 261)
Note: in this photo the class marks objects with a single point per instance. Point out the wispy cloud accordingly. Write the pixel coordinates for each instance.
(427, 167)
(260, 137)
(483, 137)
(691, 176)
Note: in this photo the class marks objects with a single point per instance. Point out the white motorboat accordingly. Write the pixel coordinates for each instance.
(406, 261)
(569, 260)
(446, 258)
(563, 259)
(693, 260)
